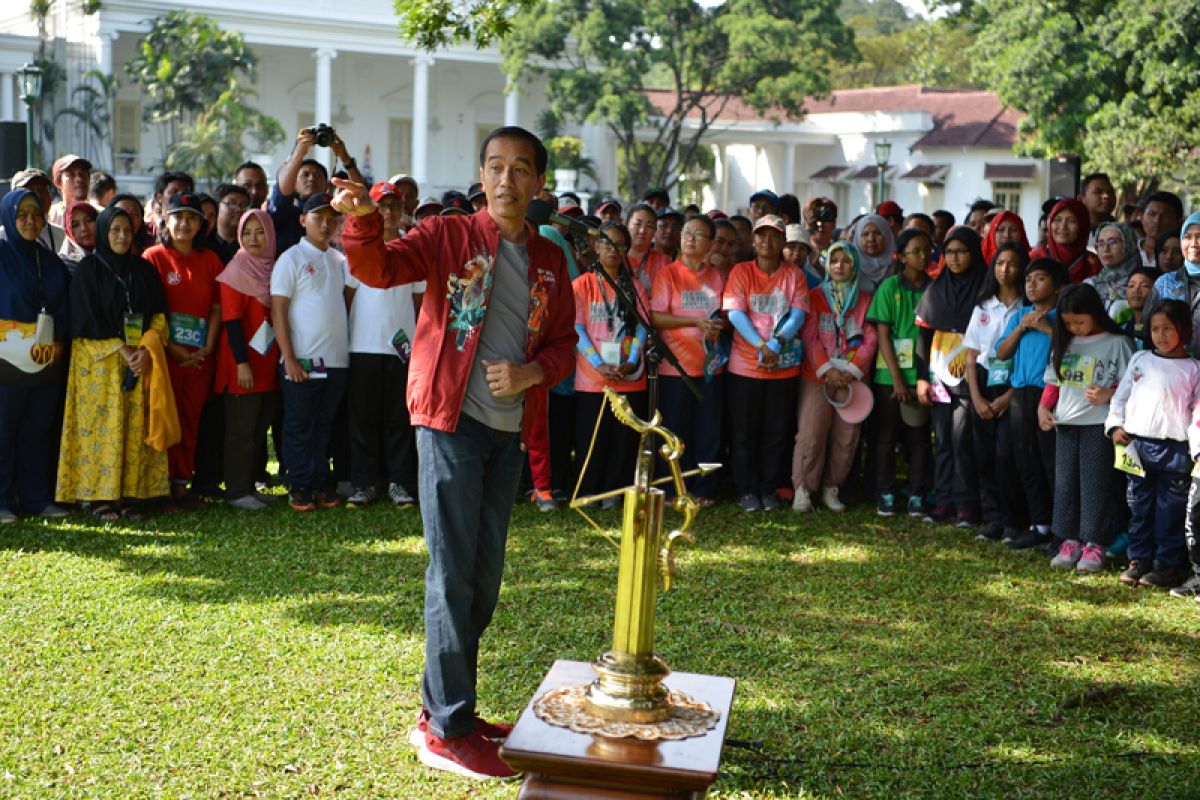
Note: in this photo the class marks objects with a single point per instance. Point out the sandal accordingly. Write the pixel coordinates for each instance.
(131, 514)
(107, 512)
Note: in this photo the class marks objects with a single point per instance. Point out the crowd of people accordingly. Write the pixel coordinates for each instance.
(1026, 387)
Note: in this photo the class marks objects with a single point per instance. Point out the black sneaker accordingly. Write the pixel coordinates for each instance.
(1029, 538)
(1164, 577)
(940, 515)
(1134, 572)
(1189, 588)
(750, 503)
(991, 532)
(769, 502)
(916, 506)
(1010, 534)
(885, 506)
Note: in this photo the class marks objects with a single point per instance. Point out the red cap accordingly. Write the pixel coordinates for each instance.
(889, 208)
(716, 214)
(379, 190)
(574, 212)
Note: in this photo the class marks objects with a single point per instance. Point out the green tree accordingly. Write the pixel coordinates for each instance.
(196, 80)
(1115, 81)
(599, 57)
(928, 52)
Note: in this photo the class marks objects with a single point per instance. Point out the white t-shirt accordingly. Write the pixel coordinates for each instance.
(987, 323)
(376, 315)
(314, 281)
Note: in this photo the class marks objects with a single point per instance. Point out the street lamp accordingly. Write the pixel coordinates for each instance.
(883, 151)
(31, 90)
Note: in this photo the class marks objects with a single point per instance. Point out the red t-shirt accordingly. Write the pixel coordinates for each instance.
(679, 291)
(235, 305)
(598, 311)
(766, 299)
(190, 283)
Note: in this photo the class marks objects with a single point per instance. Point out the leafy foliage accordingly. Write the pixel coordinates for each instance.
(1115, 82)
(195, 77)
(91, 113)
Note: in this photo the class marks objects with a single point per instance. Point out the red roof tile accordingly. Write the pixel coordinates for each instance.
(961, 117)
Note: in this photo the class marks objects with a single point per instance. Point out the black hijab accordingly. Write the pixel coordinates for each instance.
(948, 302)
(99, 290)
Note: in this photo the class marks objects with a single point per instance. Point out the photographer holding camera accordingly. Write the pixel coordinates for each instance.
(300, 177)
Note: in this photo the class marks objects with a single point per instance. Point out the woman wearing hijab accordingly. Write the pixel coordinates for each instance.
(876, 244)
(116, 298)
(1184, 283)
(80, 225)
(1067, 240)
(1116, 246)
(142, 237)
(839, 346)
(33, 323)
(942, 318)
(1006, 227)
(246, 356)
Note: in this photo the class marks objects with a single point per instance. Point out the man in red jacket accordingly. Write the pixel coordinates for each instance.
(496, 330)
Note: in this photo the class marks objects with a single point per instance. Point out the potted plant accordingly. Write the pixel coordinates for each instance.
(567, 162)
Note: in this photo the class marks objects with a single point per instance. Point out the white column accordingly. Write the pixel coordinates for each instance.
(324, 99)
(420, 118)
(789, 168)
(105, 50)
(723, 160)
(512, 104)
(6, 96)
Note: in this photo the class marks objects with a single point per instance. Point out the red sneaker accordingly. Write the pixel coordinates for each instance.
(496, 731)
(330, 500)
(473, 755)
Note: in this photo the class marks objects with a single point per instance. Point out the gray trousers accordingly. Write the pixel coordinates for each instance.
(1085, 492)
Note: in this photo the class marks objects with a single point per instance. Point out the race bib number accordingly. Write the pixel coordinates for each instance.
(402, 345)
(999, 372)
(610, 353)
(134, 325)
(1127, 461)
(1078, 372)
(189, 330)
(904, 354)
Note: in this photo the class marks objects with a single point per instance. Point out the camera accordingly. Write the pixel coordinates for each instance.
(324, 134)
(825, 212)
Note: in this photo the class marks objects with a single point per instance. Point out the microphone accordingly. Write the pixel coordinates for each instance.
(539, 212)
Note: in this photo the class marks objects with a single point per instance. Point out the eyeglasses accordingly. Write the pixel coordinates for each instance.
(693, 235)
(1105, 244)
(604, 244)
(956, 253)
(919, 251)
(234, 206)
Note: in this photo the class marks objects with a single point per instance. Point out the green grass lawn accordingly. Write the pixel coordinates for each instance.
(232, 655)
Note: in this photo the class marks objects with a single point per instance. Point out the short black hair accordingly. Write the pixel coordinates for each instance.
(708, 224)
(1166, 198)
(540, 157)
(101, 183)
(1052, 267)
(249, 165)
(917, 215)
(223, 190)
(1094, 176)
(638, 208)
(980, 204)
(1180, 315)
(740, 218)
(724, 223)
(789, 206)
(944, 214)
(173, 176)
(316, 164)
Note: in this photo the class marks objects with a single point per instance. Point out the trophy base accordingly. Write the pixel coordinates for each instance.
(629, 689)
(562, 763)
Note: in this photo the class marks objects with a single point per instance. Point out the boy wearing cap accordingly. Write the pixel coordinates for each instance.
(72, 174)
(308, 307)
(667, 232)
(382, 328)
(609, 209)
(762, 203)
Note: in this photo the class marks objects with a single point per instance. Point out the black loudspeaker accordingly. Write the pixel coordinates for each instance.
(12, 149)
(1064, 176)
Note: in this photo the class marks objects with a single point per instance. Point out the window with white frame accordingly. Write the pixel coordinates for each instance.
(1007, 195)
(399, 146)
(127, 134)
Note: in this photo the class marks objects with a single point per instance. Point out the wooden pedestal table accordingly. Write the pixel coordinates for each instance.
(563, 765)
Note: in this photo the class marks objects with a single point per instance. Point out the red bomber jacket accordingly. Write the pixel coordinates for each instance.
(456, 255)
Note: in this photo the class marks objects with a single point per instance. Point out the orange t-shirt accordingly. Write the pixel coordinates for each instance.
(645, 277)
(679, 291)
(766, 299)
(598, 311)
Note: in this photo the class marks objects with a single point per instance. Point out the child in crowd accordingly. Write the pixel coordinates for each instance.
(942, 316)
(991, 394)
(839, 346)
(1026, 341)
(1137, 292)
(308, 308)
(893, 313)
(1088, 356)
(1150, 416)
(189, 276)
(765, 300)
(608, 354)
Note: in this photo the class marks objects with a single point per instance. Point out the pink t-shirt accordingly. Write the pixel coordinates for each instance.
(599, 312)
(655, 262)
(766, 299)
(679, 291)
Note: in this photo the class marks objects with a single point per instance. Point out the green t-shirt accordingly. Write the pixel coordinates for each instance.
(895, 304)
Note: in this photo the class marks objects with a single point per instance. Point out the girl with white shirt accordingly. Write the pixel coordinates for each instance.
(1002, 294)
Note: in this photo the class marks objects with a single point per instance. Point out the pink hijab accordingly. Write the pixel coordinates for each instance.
(251, 275)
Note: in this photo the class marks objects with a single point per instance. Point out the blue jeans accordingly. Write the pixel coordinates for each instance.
(28, 441)
(468, 480)
(308, 412)
(1159, 502)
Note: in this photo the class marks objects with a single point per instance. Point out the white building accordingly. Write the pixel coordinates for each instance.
(402, 110)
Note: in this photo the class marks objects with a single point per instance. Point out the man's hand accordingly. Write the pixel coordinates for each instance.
(294, 371)
(351, 198)
(504, 378)
(305, 140)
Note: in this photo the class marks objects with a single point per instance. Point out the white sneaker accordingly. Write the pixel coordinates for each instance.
(829, 496)
(248, 503)
(53, 511)
(801, 502)
(7, 517)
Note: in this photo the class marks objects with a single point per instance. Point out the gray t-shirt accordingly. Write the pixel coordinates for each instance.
(1096, 360)
(503, 336)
